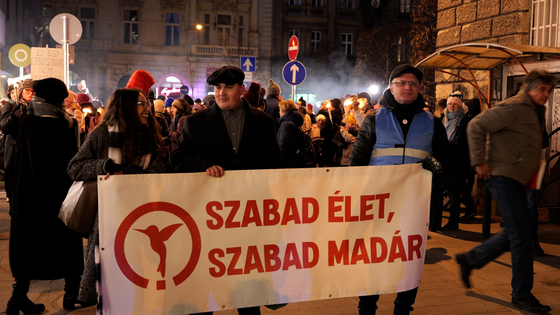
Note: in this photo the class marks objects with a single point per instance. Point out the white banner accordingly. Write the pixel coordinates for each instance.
(188, 243)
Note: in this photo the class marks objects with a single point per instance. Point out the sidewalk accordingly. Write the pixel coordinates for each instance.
(441, 291)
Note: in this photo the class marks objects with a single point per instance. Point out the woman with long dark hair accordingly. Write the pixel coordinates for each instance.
(126, 141)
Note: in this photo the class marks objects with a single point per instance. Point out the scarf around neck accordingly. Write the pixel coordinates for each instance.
(116, 141)
(451, 120)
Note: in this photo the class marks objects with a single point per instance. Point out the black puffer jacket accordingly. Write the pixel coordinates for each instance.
(288, 134)
(363, 146)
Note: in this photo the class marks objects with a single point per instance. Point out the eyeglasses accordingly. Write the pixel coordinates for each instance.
(142, 103)
(403, 83)
(456, 95)
(28, 90)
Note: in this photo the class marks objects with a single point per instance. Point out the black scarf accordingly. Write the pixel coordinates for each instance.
(403, 113)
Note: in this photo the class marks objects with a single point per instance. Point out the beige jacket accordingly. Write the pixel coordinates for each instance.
(515, 138)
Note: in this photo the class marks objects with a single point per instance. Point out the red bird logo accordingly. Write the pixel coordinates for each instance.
(157, 239)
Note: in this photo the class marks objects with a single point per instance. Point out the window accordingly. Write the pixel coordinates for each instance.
(87, 18)
(400, 49)
(315, 40)
(47, 11)
(347, 44)
(294, 2)
(172, 29)
(347, 4)
(316, 3)
(293, 33)
(206, 29)
(405, 6)
(224, 29)
(130, 18)
(544, 29)
(241, 29)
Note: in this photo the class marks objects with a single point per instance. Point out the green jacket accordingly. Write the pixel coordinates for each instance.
(515, 138)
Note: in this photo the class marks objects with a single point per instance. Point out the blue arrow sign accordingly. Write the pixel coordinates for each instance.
(184, 90)
(248, 63)
(294, 73)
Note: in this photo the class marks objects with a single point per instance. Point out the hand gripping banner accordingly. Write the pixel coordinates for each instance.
(189, 243)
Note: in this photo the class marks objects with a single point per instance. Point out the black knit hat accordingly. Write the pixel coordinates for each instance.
(52, 90)
(402, 69)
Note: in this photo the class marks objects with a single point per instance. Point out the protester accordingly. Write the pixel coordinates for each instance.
(36, 232)
(401, 122)
(13, 113)
(211, 138)
(132, 133)
(252, 94)
(455, 120)
(514, 130)
(289, 134)
(272, 99)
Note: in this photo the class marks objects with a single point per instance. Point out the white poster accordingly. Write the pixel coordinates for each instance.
(47, 63)
(188, 243)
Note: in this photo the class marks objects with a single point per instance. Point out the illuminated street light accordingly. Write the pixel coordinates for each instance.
(374, 89)
(199, 26)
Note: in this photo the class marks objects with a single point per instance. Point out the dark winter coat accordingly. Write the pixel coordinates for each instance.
(10, 126)
(288, 134)
(205, 142)
(41, 246)
(272, 107)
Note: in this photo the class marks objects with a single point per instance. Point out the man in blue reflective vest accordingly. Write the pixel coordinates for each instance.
(400, 132)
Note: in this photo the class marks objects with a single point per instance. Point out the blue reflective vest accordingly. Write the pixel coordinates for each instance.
(391, 148)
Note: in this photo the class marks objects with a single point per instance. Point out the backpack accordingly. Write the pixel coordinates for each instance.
(304, 147)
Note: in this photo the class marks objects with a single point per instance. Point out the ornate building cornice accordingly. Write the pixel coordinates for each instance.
(226, 5)
(131, 3)
(167, 4)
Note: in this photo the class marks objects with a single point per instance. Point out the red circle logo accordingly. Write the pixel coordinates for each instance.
(157, 239)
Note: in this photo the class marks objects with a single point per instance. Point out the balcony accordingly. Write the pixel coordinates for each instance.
(208, 50)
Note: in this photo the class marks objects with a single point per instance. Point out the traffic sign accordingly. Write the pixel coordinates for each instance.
(294, 72)
(184, 90)
(293, 47)
(248, 63)
(20, 55)
(57, 28)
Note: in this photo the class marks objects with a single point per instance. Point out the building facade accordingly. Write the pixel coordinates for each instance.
(507, 22)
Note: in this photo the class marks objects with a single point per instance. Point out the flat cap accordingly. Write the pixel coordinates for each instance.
(228, 75)
(402, 69)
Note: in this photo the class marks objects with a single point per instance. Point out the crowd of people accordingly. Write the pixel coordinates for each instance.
(255, 128)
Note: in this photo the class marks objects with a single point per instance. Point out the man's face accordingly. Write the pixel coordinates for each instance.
(540, 94)
(196, 107)
(407, 93)
(27, 94)
(228, 97)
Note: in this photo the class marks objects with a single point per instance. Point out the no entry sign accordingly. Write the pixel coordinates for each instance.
(293, 47)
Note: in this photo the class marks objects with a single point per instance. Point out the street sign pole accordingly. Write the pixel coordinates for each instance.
(65, 26)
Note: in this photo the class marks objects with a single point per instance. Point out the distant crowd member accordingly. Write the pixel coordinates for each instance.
(289, 134)
(514, 129)
(272, 99)
(252, 94)
(13, 114)
(205, 147)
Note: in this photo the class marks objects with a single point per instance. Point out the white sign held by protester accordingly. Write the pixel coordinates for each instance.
(189, 243)
(47, 63)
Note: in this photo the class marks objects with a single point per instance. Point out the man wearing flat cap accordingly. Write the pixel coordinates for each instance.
(400, 132)
(229, 136)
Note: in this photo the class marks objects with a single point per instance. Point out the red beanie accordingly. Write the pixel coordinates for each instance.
(83, 98)
(141, 80)
(252, 94)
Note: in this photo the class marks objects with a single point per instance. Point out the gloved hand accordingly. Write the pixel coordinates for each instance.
(432, 165)
(111, 167)
(17, 111)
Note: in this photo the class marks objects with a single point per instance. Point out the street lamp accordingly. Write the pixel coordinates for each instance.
(199, 26)
(374, 89)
